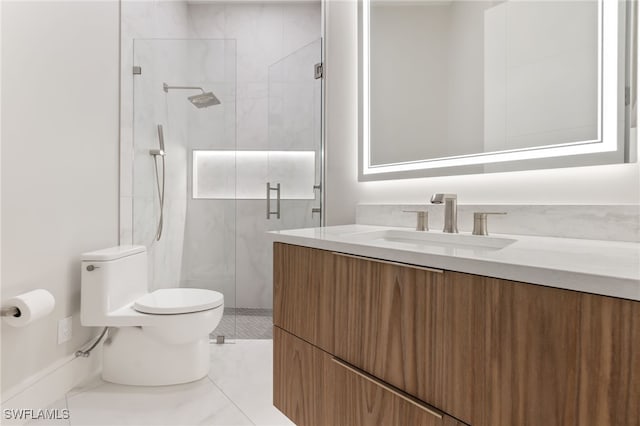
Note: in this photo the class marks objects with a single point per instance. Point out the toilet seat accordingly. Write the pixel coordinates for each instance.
(170, 301)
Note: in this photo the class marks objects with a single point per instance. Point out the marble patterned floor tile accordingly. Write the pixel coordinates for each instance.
(87, 385)
(196, 403)
(244, 372)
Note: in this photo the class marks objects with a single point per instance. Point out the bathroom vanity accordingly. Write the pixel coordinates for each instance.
(375, 330)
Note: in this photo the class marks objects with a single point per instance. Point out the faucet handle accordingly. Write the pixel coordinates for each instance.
(480, 222)
(422, 219)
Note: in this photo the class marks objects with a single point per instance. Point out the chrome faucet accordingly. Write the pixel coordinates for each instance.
(450, 211)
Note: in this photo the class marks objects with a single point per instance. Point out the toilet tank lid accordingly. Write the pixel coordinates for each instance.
(112, 253)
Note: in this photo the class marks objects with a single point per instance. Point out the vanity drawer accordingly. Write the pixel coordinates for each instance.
(365, 401)
(302, 380)
(303, 293)
(313, 388)
(387, 323)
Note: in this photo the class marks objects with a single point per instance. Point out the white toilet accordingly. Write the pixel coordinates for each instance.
(157, 338)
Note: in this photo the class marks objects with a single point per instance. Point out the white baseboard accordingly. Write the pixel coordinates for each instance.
(50, 384)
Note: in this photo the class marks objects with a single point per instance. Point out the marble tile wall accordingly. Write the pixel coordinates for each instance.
(598, 222)
(140, 20)
(220, 174)
(144, 105)
(232, 50)
(264, 34)
(209, 250)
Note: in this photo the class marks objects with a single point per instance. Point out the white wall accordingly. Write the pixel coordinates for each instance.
(341, 112)
(583, 185)
(59, 164)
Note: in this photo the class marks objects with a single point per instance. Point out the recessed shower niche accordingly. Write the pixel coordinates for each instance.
(221, 141)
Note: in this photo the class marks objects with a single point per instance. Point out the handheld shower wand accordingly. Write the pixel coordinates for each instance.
(159, 153)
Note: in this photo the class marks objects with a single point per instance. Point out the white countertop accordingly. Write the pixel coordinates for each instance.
(609, 268)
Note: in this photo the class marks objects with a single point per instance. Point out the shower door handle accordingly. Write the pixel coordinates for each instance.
(269, 189)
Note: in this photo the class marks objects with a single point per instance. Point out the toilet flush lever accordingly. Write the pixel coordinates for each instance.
(92, 267)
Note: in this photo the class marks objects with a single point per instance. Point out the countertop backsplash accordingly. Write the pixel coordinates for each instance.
(613, 222)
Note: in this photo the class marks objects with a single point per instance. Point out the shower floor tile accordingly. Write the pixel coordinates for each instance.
(238, 391)
(244, 323)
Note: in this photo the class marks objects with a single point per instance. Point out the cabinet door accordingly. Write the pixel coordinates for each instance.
(532, 354)
(609, 362)
(303, 293)
(302, 380)
(361, 400)
(387, 323)
(464, 319)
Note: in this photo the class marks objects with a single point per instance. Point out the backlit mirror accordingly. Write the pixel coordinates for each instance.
(453, 87)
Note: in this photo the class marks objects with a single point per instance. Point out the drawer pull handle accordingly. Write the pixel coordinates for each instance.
(389, 262)
(386, 387)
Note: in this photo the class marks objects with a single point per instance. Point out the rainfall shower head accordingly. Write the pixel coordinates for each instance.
(203, 100)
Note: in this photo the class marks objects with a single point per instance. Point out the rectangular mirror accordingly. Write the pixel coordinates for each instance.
(454, 87)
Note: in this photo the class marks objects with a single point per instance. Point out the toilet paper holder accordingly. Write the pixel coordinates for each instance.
(9, 311)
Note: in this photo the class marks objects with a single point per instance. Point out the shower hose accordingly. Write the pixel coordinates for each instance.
(160, 188)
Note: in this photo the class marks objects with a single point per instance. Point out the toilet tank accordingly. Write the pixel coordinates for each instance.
(111, 278)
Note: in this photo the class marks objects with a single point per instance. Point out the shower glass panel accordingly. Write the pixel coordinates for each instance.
(198, 243)
(295, 140)
(291, 157)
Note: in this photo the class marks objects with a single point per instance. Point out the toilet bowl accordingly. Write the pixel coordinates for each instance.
(155, 338)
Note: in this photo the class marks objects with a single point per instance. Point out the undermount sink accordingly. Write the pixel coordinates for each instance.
(430, 238)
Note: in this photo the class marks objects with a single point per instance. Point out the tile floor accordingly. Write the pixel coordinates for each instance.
(238, 391)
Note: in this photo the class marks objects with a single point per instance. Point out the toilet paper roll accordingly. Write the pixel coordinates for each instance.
(33, 306)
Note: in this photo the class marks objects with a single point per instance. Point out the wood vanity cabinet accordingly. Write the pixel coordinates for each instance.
(302, 380)
(386, 327)
(303, 293)
(372, 342)
(312, 387)
(609, 363)
(531, 347)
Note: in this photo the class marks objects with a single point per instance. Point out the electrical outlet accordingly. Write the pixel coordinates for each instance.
(65, 330)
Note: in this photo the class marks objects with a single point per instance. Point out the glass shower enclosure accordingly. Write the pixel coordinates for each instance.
(203, 209)
(197, 245)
